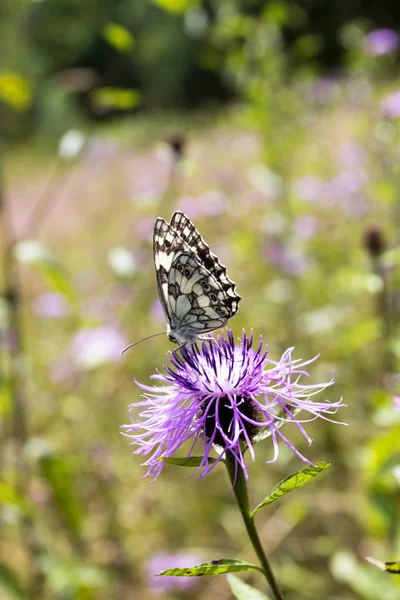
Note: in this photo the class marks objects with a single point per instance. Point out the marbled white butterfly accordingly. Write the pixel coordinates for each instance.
(195, 292)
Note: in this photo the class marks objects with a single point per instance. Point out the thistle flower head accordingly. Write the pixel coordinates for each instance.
(227, 396)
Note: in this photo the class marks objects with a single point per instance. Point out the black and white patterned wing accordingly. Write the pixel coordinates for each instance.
(193, 298)
(183, 225)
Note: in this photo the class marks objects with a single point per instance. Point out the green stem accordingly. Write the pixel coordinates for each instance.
(239, 484)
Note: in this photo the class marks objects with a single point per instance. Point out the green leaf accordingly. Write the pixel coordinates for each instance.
(292, 482)
(175, 6)
(72, 578)
(59, 474)
(34, 253)
(115, 98)
(119, 37)
(15, 90)
(244, 591)
(192, 461)
(10, 583)
(9, 496)
(214, 567)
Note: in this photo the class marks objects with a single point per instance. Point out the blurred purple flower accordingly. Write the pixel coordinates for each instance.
(305, 227)
(228, 396)
(292, 261)
(324, 89)
(381, 41)
(308, 187)
(62, 371)
(396, 402)
(49, 305)
(210, 204)
(93, 347)
(351, 155)
(163, 561)
(390, 105)
(157, 312)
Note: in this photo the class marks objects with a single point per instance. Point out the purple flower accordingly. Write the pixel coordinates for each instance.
(390, 105)
(396, 402)
(93, 347)
(227, 397)
(209, 204)
(305, 226)
(162, 561)
(50, 305)
(381, 41)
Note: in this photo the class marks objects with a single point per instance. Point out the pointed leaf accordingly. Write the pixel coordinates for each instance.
(10, 583)
(244, 591)
(389, 567)
(191, 461)
(292, 482)
(213, 567)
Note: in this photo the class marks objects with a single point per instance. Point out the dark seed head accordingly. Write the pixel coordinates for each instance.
(214, 422)
(374, 241)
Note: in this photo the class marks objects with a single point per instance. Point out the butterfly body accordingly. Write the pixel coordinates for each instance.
(195, 292)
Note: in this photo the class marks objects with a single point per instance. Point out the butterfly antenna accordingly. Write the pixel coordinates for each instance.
(142, 340)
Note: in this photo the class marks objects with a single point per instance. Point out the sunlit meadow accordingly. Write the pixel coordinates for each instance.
(297, 191)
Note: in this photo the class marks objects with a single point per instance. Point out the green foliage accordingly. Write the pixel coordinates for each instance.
(119, 37)
(291, 483)
(59, 473)
(243, 591)
(213, 567)
(34, 253)
(15, 91)
(10, 583)
(113, 98)
(175, 6)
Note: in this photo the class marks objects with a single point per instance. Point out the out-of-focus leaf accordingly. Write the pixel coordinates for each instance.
(213, 567)
(119, 37)
(10, 583)
(66, 575)
(359, 336)
(277, 13)
(192, 461)
(108, 98)
(368, 584)
(175, 6)
(244, 591)
(8, 495)
(15, 90)
(307, 46)
(59, 474)
(34, 253)
(291, 483)
(389, 566)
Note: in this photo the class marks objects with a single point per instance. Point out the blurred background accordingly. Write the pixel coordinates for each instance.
(275, 125)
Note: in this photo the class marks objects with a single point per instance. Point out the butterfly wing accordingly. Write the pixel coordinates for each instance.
(188, 232)
(195, 300)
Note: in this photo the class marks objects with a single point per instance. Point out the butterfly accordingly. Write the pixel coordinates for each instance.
(196, 294)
